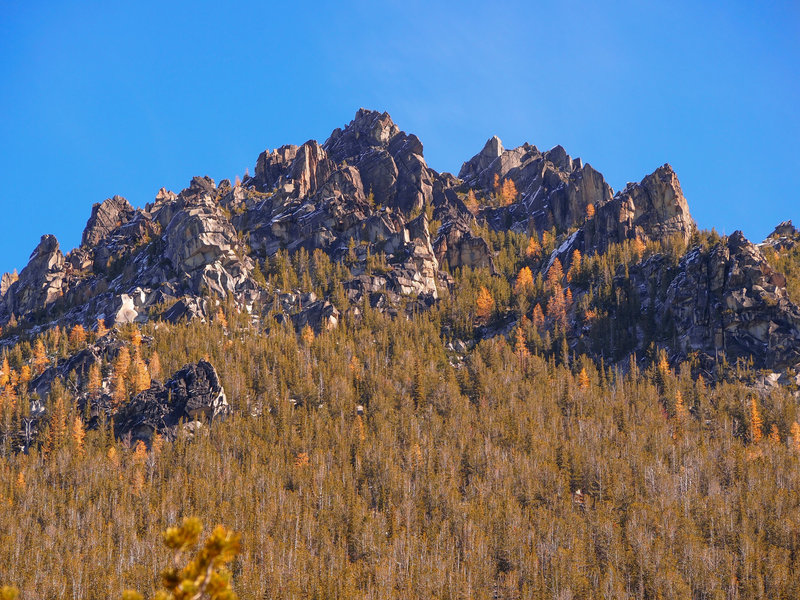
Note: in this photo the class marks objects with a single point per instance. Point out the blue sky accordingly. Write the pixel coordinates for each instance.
(104, 98)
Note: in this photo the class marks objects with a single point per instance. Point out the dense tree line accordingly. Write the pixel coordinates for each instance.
(498, 474)
(371, 461)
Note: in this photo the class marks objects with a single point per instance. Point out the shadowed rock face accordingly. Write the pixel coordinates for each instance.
(653, 209)
(106, 217)
(731, 299)
(554, 189)
(193, 392)
(726, 298)
(390, 161)
(40, 283)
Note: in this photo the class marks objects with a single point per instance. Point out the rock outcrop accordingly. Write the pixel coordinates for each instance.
(106, 217)
(193, 392)
(723, 300)
(654, 209)
(390, 162)
(39, 284)
(730, 299)
(201, 245)
(366, 198)
(784, 237)
(554, 189)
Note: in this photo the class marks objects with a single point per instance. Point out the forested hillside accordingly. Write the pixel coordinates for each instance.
(398, 383)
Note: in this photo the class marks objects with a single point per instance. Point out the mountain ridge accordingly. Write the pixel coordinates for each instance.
(364, 197)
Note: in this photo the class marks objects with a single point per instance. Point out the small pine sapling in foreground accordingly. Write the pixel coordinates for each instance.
(205, 575)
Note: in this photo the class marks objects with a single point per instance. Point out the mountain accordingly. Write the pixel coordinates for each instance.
(399, 383)
(368, 200)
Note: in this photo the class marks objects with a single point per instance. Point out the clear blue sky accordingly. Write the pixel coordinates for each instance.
(104, 98)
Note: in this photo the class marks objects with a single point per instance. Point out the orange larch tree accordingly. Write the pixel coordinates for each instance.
(485, 304)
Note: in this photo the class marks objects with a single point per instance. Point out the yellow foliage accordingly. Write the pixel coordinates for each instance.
(140, 379)
(756, 423)
(795, 429)
(113, 457)
(95, 381)
(533, 248)
(524, 281)
(471, 202)
(590, 211)
(508, 194)
(155, 365)
(139, 453)
(485, 304)
(77, 337)
(220, 318)
(555, 274)
(681, 412)
(8, 593)
(583, 379)
(101, 329)
(307, 335)
(5, 370)
(538, 316)
(774, 436)
(302, 459)
(40, 360)
(78, 434)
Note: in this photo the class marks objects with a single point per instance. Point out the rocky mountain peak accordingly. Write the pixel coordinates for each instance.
(39, 283)
(369, 129)
(106, 216)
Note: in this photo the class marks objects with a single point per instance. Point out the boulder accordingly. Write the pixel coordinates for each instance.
(320, 315)
(457, 247)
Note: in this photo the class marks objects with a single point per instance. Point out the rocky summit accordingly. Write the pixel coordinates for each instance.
(399, 231)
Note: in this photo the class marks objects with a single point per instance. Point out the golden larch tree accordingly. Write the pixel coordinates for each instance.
(78, 434)
(485, 304)
(520, 343)
(589, 211)
(140, 377)
(583, 379)
(155, 365)
(537, 317)
(533, 248)
(795, 430)
(524, 281)
(5, 371)
(94, 380)
(574, 265)
(508, 194)
(555, 275)
(556, 307)
(77, 337)
(681, 412)
(101, 329)
(756, 423)
(40, 360)
(471, 202)
(307, 335)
